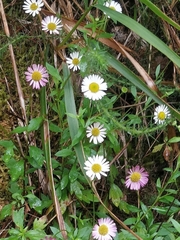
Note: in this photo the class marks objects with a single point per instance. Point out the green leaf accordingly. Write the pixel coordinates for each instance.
(133, 91)
(73, 175)
(64, 153)
(84, 233)
(124, 207)
(53, 71)
(105, 35)
(130, 221)
(14, 232)
(64, 181)
(7, 144)
(35, 203)
(19, 129)
(54, 128)
(158, 183)
(39, 223)
(174, 140)
(88, 196)
(174, 176)
(36, 157)
(157, 148)
(35, 234)
(134, 119)
(148, 214)
(160, 210)
(115, 194)
(166, 199)
(34, 124)
(142, 32)
(6, 211)
(76, 187)
(18, 218)
(16, 169)
(78, 137)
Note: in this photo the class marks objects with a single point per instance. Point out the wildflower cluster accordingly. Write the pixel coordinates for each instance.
(36, 74)
(94, 88)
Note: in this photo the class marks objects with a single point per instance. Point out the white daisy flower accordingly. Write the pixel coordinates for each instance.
(96, 166)
(161, 113)
(105, 229)
(51, 24)
(96, 133)
(32, 7)
(74, 61)
(114, 6)
(93, 87)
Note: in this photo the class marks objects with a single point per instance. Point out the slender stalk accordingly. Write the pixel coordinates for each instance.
(138, 196)
(75, 26)
(131, 130)
(47, 152)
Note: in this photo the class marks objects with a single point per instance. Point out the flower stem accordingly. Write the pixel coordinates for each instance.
(47, 153)
(75, 26)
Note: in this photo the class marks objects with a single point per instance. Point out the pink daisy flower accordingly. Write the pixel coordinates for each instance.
(105, 229)
(37, 76)
(137, 178)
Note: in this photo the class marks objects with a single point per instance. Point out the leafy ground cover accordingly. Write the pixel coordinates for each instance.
(89, 130)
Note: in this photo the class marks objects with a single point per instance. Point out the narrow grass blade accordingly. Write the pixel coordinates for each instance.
(160, 14)
(73, 122)
(142, 32)
(47, 153)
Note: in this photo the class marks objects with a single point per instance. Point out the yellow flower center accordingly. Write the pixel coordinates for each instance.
(95, 132)
(103, 230)
(113, 8)
(96, 168)
(75, 61)
(51, 26)
(161, 115)
(94, 87)
(36, 76)
(33, 6)
(135, 177)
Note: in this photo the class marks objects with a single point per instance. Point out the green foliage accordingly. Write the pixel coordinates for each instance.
(36, 157)
(44, 160)
(115, 194)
